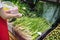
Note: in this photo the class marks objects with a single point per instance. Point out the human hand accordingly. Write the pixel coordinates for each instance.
(15, 12)
(10, 13)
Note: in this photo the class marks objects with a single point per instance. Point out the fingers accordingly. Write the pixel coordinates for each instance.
(14, 10)
(8, 11)
(19, 15)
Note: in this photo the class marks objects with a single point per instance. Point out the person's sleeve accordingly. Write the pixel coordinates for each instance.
(1, 5)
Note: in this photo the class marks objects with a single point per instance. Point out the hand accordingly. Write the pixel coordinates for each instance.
(7, 14)
(14, 12)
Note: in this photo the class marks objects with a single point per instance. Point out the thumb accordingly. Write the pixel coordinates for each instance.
(8, 11)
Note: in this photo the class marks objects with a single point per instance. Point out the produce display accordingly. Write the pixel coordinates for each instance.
(33, 23)
(54, 35)
(32, 26)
